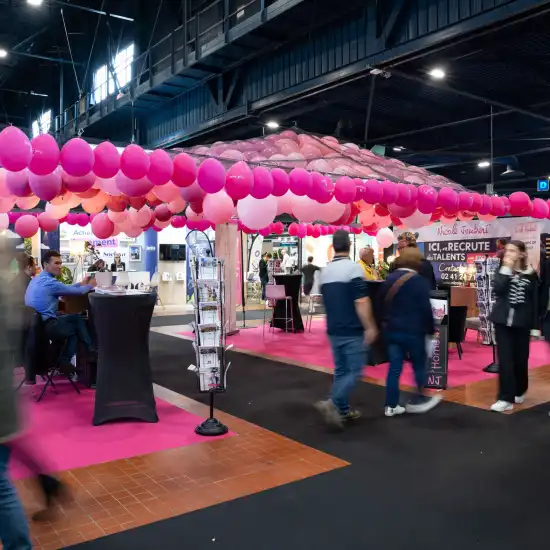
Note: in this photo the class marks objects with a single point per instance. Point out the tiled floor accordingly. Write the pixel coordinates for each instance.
(123, 494)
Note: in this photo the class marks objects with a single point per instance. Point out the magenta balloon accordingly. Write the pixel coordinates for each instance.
(389, 192)
(45, 155)
(46, 187)
(403, 195)
(15, 149)
(427, 199)
(448, 200)
(239, 181)
(414, 192)
(79, 184)
(18, 183)
(106, 160)
(162, 213)
(293, 229)
(263, 183)
(402, 211)
(373, 192)
(134, 162)
(300, 181)
(47, 223)
(316, 189)
(302, 230)
(185, 170)
(82, 219)
(72, 218)
(497, 208)
(161, 167)
(344, 190)
(167, 192)
(211, 176)
(133, 188)
(486, 205)
(193, 193)
(281, 182)
(102, 226)
(519, 201)
(77, 157)
(477, 202)
(266, 231)
(178, 222)
(26, 226)
(506, 203)
(540, 209)
(218, 207)
(326, 190)
(465, 200)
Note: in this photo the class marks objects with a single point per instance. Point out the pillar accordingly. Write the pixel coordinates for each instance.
(228, 249)
(151, 239)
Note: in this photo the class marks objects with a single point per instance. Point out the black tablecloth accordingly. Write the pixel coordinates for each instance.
(124, 381)
(292, 284)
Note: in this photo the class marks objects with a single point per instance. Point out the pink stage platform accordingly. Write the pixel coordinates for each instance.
(313, 348)
(61, 430)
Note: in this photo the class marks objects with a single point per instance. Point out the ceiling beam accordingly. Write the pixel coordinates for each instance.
(46, 58)
(91, 10)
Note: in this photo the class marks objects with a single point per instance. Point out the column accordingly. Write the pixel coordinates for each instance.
(151, 238)
(228, 249)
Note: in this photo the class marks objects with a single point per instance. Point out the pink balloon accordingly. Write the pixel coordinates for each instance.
(465, 216)
(95, 204)
(102, 226)
(134, 162)
(302, 230)
(26, 226)
(27, 203)
(133, 232)
(448, 200)
(218, 207)
(278, 228)
(192, 193)
(281, 182)
(178, 222)
(300, 181)
(18, 183)
(162, 213)
(141, 217)
(498, 208)
(239, 181)
(45, 155)
(46, 187)
(15, 149)
(389, 192)
(519, 201)
(79, 184)
(117, 217)
(293, 229)
(57, 211)
(133, 188)
(477, 202)
(366, 217)
(427, 199)
(344, 190)
(465, 200)
(404, 195)
(82, 219)
(331, 211)
(177, 205)
(263, 183)
(77, 157)
(232, 154)
(161, 167)
(373, 192)
(46, 222)
(266, 231)
(211, 175)
(540, 209)
(167, 192)
(185, 170)
(4, 221)
(400, 211)
(108, 186)
(106, 160)
(257, 213)
(72, 218)
(304, 209)
(284, 204)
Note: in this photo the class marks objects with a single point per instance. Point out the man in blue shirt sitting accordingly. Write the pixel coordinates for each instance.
(43, 295)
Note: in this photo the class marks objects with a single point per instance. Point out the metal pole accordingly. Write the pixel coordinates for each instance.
(243, 293)
(61, 91)
(369, 107)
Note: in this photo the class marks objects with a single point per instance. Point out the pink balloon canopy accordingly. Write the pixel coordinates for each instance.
(315, 179)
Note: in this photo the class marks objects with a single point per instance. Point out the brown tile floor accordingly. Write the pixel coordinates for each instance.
(123, 494)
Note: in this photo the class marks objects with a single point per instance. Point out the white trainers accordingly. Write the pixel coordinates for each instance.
(425, 406)
(394, 411)
(519, 399)
(502, 406)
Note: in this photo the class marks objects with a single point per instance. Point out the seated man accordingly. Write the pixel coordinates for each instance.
(43, 295)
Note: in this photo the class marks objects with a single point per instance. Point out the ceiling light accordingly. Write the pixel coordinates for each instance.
(272, 124)
(483, 164)
(437, 73)
(398, 149)
(3, 53)
(34, 2)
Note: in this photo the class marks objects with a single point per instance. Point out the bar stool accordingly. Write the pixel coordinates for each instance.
(273, 294)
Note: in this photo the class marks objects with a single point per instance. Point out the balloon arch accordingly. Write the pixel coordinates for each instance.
(246, 182)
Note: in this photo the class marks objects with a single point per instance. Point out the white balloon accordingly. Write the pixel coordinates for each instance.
(384, 237)
(416, 220)
(331, 211)
(257, 213)
(304, 209)
(284, 203)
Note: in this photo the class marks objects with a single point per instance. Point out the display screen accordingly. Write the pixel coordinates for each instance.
(172, 252)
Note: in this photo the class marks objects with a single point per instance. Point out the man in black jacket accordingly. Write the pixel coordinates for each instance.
(408, 239)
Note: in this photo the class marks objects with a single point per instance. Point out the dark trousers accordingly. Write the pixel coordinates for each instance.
(307, 288)
(513, 356)
(264, 284)
(72, 328)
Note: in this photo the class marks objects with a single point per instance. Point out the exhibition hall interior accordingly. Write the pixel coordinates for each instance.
(275, 274)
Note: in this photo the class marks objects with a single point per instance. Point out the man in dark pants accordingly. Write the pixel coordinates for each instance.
(309, 275)
(43, 295)
(264, 273)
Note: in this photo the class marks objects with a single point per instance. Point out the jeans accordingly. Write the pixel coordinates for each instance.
(72, 328)
(14, 529)
(399, 345)
(349, 354)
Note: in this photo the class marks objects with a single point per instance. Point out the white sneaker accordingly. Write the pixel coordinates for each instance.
(425, 406)
(519, 399)
(394, 411)
(502, 406)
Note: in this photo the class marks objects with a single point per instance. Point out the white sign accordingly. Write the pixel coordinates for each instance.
(529, 233)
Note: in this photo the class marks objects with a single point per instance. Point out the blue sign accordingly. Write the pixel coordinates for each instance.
(542, 185)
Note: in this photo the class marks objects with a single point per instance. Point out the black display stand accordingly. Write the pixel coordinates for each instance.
(211, 426)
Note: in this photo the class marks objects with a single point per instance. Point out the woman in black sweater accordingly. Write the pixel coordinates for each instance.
(515, 314)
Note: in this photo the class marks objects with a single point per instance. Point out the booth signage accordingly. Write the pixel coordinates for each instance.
(438, 358)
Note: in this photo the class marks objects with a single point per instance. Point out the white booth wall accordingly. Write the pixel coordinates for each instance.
(173, 278)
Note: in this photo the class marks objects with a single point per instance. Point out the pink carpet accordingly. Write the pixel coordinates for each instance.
(313, 348)
(61, 430)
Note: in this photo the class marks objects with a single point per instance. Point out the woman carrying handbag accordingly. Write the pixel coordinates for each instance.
(515, 314)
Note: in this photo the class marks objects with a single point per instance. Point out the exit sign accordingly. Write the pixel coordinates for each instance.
(542, 185)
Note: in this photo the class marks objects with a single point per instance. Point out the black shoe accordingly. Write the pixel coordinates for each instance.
(54, 491)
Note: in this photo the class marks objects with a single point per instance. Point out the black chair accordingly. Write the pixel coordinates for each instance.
(457, 326)
(43, 354)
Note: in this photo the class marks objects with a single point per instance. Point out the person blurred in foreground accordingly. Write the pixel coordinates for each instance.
(408, 240)
(366, 261)
(350, 328)
(43, 295)
(515, 314)
(408, 321)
